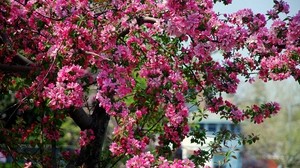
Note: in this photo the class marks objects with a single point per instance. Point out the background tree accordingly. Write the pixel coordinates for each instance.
(146, 59)
(279, 138)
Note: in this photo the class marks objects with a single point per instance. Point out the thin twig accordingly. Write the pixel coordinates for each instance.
(95, 54)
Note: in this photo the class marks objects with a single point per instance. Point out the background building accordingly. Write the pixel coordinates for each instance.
(212, 125)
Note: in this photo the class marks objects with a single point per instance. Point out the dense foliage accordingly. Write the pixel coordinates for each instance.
(147, 59)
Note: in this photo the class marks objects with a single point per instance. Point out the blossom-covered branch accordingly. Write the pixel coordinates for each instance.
(146, 60)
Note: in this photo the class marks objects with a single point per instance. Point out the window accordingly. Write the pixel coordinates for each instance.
(232, 127)
(202, 126)
(223, 127)
(235, 128)
(212, 128)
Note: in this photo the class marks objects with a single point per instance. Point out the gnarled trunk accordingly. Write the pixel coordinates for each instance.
(89, 156)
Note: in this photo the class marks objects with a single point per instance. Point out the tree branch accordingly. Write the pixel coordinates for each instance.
(99, 126)
(140, 21)
(24, 59)
(81, 118)
(98, 122)
(95, 54)
(5, 39)
(15, 68)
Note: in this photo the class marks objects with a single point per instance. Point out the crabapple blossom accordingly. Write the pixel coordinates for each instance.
(135, 64)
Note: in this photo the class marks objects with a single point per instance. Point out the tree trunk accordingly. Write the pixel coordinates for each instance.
(89, 156)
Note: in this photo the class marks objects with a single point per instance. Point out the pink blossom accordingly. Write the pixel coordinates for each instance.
(237, 115)
(116, 149)
(145, 61)
(275, 67)
(147, 160)
(70, 73)
(51, 134)
(28, 165)
(281, 6)
(144, 160)
(259, 118)
(138, 114)
(64, 96)
(294, 29)
(86, 137)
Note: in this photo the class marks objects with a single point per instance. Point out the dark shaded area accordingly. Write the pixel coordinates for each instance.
(12, 112)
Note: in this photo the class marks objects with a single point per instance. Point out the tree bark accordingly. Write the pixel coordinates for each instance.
(81, 118)
(15, 68)
(89, 156)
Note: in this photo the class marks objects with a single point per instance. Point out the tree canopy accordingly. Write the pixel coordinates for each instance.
(145, 60)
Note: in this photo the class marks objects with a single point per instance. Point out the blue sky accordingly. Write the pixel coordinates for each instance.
(273, 88)
(258, 6)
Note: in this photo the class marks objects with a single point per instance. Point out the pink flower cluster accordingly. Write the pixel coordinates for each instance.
(176, 118)
(275, 68)
(265, 111)
(51, 134)
(294, 30)
(147, 160)
(279, 7)
(143, 70)
(256, 113)
(114, 81)
(125, 141)
(128, 145)
(68, 91)
(70, 74)
(143, 160)
(86, 137)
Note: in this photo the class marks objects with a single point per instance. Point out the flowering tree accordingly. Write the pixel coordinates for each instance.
(147, 59)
